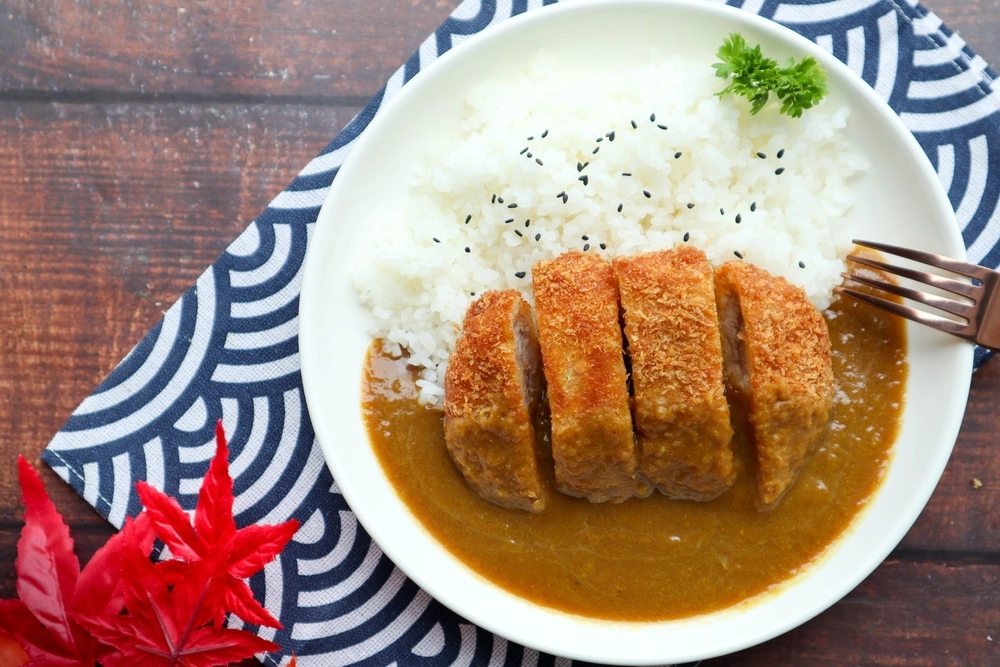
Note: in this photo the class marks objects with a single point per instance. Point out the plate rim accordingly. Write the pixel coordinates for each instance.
(310, 379)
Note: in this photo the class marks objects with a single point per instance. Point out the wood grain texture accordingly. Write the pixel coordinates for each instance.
(913, 614)
(976, 21)
(138, 139)
(960, 517)
(109, 215)
(335, 48)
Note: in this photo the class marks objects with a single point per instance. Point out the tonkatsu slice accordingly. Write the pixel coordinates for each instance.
(593, 446)
(777, 353)
(492, 388)
(681, 414)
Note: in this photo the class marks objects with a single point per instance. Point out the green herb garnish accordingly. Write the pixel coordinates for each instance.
(799, 85)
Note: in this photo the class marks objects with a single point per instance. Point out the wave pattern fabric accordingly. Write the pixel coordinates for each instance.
(228, 349)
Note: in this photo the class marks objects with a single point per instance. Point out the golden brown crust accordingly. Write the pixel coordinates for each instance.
(779, 364)
(593, 446)
(680, 408)
(492, 387)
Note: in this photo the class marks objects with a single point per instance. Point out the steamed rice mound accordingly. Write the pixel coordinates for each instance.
(483, 211)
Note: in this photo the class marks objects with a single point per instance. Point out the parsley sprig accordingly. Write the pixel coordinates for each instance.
(799, 85)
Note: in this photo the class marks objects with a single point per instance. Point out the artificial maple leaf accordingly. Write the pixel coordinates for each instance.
(168, 625)
(52, 588)
(247, 550)
(11, 653)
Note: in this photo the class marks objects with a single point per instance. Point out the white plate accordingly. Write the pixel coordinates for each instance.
(899, 200)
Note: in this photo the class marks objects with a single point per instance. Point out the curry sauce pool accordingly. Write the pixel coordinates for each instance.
(653, 558)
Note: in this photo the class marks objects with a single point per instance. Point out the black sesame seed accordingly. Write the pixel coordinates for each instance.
(781, 153)
(802, 265)
(565, 197)
(779, 171)
(604, 246)
(520, 274)
(620, 207)
(539, 161)
(652, 118)
(753, 207)
(467, 249)
(647, 194)
(586, 247)
(662, 126)
(494, 200)
(508, 221)
(538, 237)
(579, 166)
(436, 239)
(687, 236)
(690, 205)
(472, 294)
(738, 254)
(518, 232)
(512, 205)
(595, 150)
(545, 134)
(762, 156)
(584, 238)
(739, 218)
(585, 164)
(499, 200)
(599, 139)
(634, 126)
(524, 150)
(529, 155)
(722, 211)
(527, 223)
(626, 173)
(611, 135)
(467, 218)
(531, 137)
(584, 178)
(561, 194)
(678, 154)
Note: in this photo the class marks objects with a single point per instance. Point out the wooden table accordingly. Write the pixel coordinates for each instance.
(138, 139)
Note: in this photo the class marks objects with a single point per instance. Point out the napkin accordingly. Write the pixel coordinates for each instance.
(229, 349)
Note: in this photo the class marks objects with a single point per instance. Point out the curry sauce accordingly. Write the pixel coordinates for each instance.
(655, 558)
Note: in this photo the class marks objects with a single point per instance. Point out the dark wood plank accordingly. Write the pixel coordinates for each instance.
(914, 614)
(109, 214)
(976, 21)
(960, 517)
(212, 47)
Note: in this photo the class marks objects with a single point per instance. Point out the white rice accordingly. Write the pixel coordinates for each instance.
(418, 289)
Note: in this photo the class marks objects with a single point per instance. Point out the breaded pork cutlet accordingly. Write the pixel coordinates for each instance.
(777, 353)
(492, 388)
(593, 446)
(680, 409)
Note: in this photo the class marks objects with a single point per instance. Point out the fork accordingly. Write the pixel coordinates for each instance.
(981, 311)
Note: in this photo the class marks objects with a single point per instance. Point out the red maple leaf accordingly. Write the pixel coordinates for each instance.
(168, 624)
(214, 536)
(51, 587)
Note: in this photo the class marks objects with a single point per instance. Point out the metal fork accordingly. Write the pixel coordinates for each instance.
(981, 314)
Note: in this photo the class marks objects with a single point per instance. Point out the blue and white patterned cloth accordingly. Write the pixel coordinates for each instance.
(229, 349)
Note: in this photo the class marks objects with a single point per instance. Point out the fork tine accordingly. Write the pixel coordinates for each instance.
(941, 303)
(947, 284)
(933, 321)
(940, 261)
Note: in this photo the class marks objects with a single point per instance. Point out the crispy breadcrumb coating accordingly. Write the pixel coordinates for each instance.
(492, 388)
(593, 445)
(777, 353)
(680, 408)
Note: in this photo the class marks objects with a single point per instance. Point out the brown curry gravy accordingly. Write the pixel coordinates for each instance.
(655, 559)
